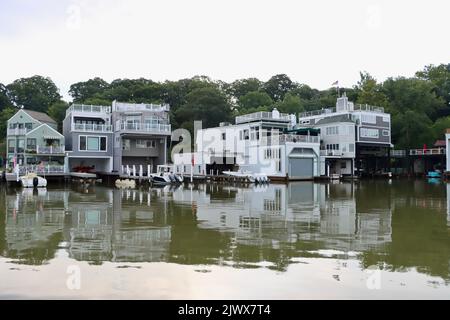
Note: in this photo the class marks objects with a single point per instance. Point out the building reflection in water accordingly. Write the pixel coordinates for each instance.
(231, 225)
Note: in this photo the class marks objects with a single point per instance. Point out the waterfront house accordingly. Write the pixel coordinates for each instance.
(141, 133)
(89, 138)
(34, 144)
(260, 142)
(354, 138)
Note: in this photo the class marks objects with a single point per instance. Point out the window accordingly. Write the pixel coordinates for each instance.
(20, 145)
(28, 126)
(31, 144)
(11, 146)
(369, 133)
(343, 164)
(126, 144)
(141, 144)
(386, 133)
(31, 161)
(151, 144)
(224, 136)
(330, 131)
(272, 153)
(246, 135)
(369, 118)
(88, 143)
(351, 147)
(305, 122)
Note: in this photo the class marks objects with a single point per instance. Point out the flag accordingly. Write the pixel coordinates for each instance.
(335, 83)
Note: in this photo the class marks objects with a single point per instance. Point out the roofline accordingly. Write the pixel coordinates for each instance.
(44, 124)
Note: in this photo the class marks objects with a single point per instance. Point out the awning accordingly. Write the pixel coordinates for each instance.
(52, 137)
(311, 131)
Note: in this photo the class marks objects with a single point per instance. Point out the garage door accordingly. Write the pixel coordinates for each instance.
(301, 168)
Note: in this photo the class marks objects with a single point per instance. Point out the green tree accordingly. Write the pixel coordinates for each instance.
(277, 86)
(5, 114)
(411, 130)
(82, 91)
(440, 126)
(58, 112)
(36, 93)
(254, 100)
(240, 88)
(4, 100)
(370, 92)
(206, 104)
(291, 104)
(413, 94)
(440, 77)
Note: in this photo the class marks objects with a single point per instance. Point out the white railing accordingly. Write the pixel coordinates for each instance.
(41, 169)
(121, 106)
(261, 116)
(331, 153)
(17, 132)
(144, 127)
(356, 107)
(366, 107)
(398, 153)
(426, 152)
(91, 127)
(50, 150)
(88, 108)
(283, 138)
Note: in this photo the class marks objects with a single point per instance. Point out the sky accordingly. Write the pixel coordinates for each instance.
(313, 42)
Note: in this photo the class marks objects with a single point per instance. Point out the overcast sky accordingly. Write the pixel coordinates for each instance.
(313, 42)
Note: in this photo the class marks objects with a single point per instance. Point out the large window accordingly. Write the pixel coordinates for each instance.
(92, 143)
(145, 144)
(369, 133)
(369, 118)
(11, 146)
(20, 145)
(31, 144)
(331, 131)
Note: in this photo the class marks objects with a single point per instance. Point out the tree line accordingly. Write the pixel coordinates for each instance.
(419, 105)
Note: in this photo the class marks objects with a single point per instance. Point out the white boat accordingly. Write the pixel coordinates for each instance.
(252, 177)
(165, 175)
(32, 180)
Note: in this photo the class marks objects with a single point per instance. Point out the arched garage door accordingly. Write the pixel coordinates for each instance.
(301, 168)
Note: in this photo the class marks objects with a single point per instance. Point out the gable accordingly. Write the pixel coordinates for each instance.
(22, 117)
(43, 131)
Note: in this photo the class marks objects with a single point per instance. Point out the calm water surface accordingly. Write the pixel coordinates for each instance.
(368, 239)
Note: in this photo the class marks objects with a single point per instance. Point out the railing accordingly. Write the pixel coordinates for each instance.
(283, 138)
(356, 107)
(41, 169)
(50, 150)
(17, 132)
(121, 106)
(426, 152)
(91, 127)
(366, 107)
(143, 127)
(332, 153)
(262, 116)
(88, 108)
(398, 153)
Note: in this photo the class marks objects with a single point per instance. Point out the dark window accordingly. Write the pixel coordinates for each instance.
(82, 143)
(103, 143)
(31, 144)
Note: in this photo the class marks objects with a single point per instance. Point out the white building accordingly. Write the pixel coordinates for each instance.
(260, 142)
(353, 137)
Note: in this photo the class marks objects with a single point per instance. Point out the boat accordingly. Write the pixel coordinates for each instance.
(251, 177)
(434, 174)
(32, 180)
(165, 175)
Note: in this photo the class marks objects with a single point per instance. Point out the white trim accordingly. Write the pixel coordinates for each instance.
(21, 110)
(90, 157)
(44, 124)
(92, 136)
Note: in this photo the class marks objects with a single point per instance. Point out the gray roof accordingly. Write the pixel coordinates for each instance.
(336, 118)
(40, 116)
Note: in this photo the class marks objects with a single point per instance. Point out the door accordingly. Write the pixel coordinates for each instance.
(301, 168)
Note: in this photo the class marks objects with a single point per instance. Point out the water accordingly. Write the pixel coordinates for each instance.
(369, 239)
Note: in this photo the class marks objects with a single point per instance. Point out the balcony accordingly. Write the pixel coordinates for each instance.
(133, 107)
(18, 132)
(291, 138)
(50, 150)
(143, 128)
(41, 169)
(357, 107)
(82, 108)
(426, 152)
(91, 127)
(259, 116)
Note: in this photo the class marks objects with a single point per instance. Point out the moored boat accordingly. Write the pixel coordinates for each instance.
(32, 180)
